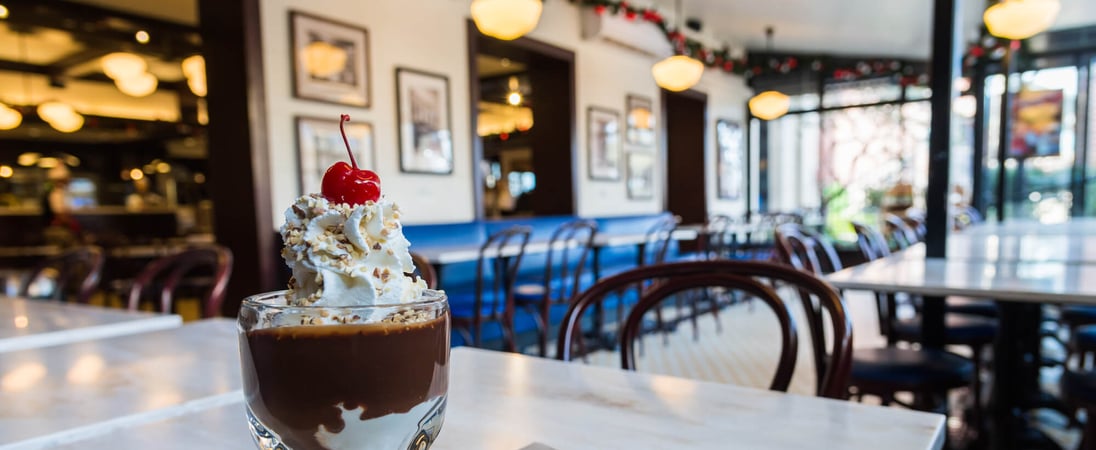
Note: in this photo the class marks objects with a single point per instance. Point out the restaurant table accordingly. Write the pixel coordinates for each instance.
(508, 402)
(1069, 249)
(64, 392)
(1020, 289)
(1017, 227)
(28, 323)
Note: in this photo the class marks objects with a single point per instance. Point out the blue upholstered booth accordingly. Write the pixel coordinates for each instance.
(458, 279)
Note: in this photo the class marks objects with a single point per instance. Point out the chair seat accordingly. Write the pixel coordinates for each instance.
(961, 330)
(900, 369)
(534, 291)
(972, 306)
(1079, 387)
(1078, 315)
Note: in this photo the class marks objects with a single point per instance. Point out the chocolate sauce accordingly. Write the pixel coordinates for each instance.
(296, 377)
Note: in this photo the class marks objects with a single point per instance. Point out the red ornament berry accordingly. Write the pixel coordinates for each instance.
(599, 9)
(346, 183)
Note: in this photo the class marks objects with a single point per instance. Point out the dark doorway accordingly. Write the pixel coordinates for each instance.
(686, 116)
(523, 125)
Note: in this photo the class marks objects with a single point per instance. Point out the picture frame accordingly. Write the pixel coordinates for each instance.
(424, 122)
(641, 175)
(730, 166)
(639, 121)
(320, 144)
(603, 144)
(330, 60)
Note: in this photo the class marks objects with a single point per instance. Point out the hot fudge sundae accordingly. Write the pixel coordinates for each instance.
(355, 354)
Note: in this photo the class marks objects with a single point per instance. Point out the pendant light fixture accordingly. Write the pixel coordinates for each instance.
(769, 105)
(506, 19)
(1020, 19)
(678, 72)
(61, 116)
(10, 118)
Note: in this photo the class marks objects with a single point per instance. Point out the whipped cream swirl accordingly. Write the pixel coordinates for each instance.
(343, 255)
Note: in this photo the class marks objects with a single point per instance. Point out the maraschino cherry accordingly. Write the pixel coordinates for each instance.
(346, 183)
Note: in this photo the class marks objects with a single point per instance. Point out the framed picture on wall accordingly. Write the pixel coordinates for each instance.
(330, 60)
(641, 175)
(319, 145)
(730, 164)
(640, 121)
(603, 143)
(425, 129)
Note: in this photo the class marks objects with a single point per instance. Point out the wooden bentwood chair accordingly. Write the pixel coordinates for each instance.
(885, 371)
(668, 280)
(75, 274)
(493, 299)
(566, 262)
(212, 265)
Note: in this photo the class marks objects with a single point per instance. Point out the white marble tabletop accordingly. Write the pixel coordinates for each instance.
(507, 402)
(39, 323)
(56, 394)
(1070, 249)
(1041, 282)
(1016, 227)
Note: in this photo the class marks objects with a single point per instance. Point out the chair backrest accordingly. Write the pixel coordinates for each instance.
(76, 270)
(672, 278)
(827, 254)
(872, 244)
(659, 240)
(719, 237)
(900, 232)
(425, 270)
(796, 249)
(509, 243)
(568, 250)
(167, 273)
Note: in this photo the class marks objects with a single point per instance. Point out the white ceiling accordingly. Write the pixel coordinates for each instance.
(901, 28)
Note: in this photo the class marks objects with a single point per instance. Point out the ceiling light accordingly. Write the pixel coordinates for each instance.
(10, 118)
(136, 174)
(514, 98)
(163, 167)
(506, 19)
(677, 73)
(6, 171)
(28, 159)
(142, 37)
(769, 105)
(194, 69)
(323, 60)
(49, 162)
(121, 65)
(138, 86)
(1020, 19)
(3, 12)
(61, 116)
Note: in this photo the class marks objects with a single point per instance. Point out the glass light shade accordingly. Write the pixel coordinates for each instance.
(506, 19)
(62, 117)
(323, 60)
(194, 69)
(10, 118)
(677, 73)
(1020, 19)
(122, 65)
(139, 86)
(769, 105)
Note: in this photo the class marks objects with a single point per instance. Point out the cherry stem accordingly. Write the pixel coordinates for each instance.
(343, 119)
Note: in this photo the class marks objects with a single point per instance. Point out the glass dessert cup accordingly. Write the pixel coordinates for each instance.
(356, 377)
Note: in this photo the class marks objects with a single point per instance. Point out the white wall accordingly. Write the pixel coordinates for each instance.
(430, 35)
